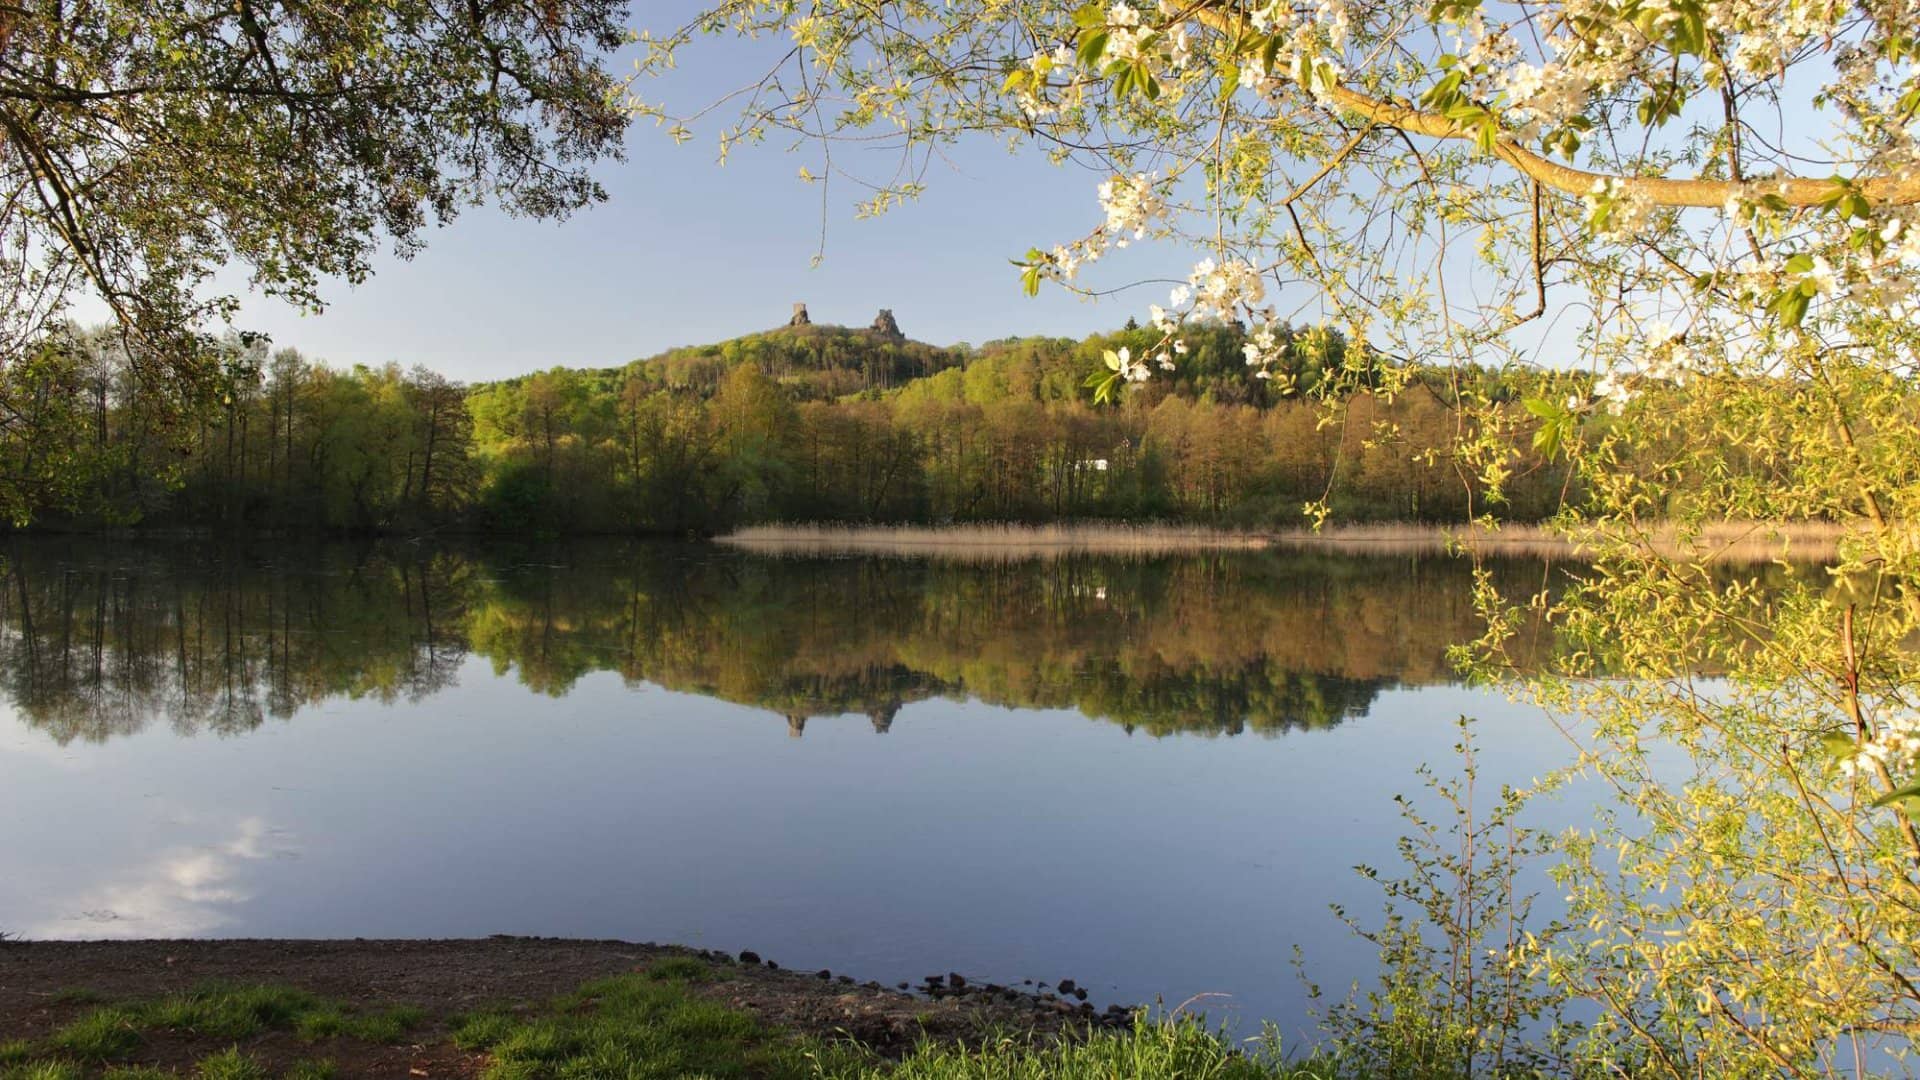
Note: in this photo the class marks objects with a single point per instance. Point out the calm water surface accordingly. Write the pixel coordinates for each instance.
(1152, 776)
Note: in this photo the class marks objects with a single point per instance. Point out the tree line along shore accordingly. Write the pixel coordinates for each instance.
(814, 423)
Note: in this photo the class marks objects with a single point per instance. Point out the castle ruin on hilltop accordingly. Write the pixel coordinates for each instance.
(884, 324)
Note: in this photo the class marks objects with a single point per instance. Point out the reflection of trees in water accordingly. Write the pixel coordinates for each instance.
(99, 639)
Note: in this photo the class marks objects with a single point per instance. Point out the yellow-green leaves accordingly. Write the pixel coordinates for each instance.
(1556, 424)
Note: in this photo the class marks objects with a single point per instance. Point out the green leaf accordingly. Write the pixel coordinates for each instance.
(1443, 94)
(1910, 790)
(1103, 385)
(1093, 45)
(1270, 53)
(1800, 264)
(1790, 306)
(1839, 745)
(1556, 424)
(1690, 34)
(1030, 281)
(1016, 79)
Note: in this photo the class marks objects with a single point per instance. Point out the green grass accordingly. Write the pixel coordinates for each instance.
(231, 1014)
(683, 968)
(1181, 1050)
(639, 1028)
(228, 1012)
(43, 1070)
(384, 1026)
(101, 1035)
(231, 1065)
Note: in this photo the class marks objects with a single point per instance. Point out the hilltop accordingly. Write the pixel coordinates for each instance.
(814, 361)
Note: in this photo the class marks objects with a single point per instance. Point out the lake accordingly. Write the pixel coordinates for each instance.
(1151, 776)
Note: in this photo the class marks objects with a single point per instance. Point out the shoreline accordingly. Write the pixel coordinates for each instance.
(47, 984)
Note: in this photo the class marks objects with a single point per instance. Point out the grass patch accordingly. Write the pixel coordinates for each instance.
(1180, 1050)
(101, 1035)
(683, 968)
(116, 1033)
(44, 1070)
(230, 1065)
(637, 1028)
(228, 1012)
(384, 1026)
(483, 1031)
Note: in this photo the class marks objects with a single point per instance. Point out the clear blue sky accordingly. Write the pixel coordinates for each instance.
(688, 252)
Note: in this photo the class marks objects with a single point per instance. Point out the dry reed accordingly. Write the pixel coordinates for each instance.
(1731, 542)
(990, 543)
(1725, 541)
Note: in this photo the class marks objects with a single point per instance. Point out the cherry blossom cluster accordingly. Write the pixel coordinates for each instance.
(1133, 206)
(1895, 745)
(1133, 369)
(1665, 355)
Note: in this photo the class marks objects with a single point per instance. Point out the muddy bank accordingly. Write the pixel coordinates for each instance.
(44, 984)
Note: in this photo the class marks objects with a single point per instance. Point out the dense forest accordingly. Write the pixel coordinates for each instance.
(809, 422)
(98, 639)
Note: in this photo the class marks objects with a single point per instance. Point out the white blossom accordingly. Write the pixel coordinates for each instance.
(1123, 364)
(1132, 205)
(1895, 745)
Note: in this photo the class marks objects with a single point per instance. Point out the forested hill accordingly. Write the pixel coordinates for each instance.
(805, 422)
(813, 362)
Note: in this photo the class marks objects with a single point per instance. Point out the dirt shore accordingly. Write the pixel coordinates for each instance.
(44, 984)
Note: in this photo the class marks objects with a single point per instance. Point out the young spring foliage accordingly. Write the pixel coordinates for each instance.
(1709, 207)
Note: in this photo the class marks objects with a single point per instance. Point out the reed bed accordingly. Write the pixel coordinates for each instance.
(1728, 541)
(991, 543)
(1724, 541)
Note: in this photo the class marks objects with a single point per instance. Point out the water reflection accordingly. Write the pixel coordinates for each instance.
(180, 891)
(590, 741)
(101, 640)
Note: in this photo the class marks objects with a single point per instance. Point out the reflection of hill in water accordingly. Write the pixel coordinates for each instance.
(98, 639)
